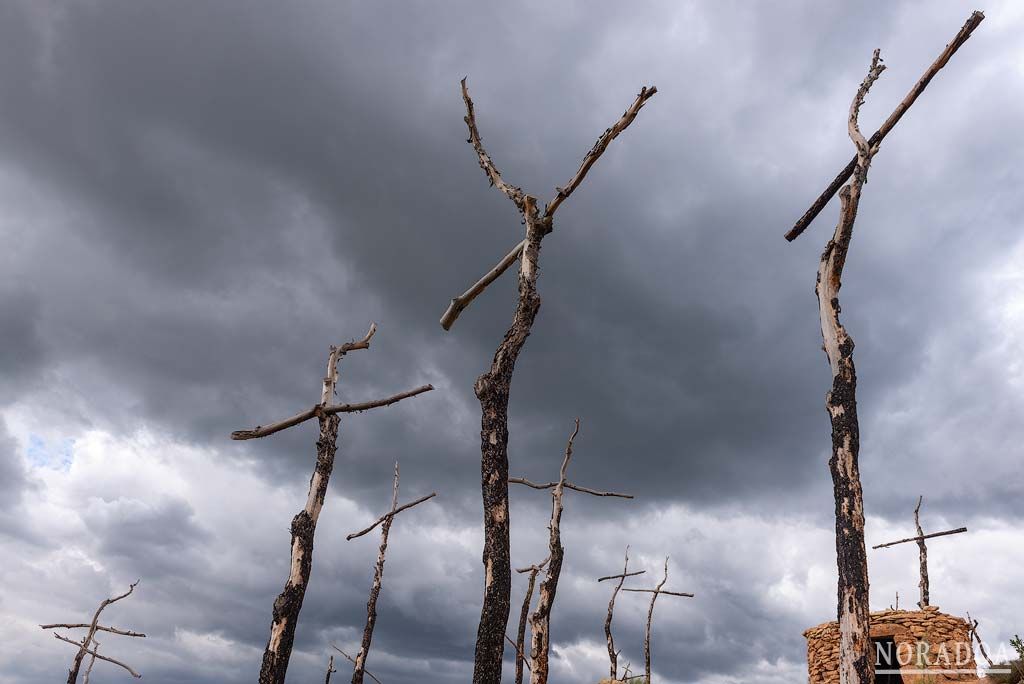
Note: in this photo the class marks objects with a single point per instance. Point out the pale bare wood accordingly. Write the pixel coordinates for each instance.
(391, 514)
(523, 616)
(974, 635)
(622, 575)
(959, 530)
(99, 628)
(330, 670)
(457, 305)
(319, 411)
(613, 655)
(92, 661)
(855, 665)
(567, 485)
(94, 654)
(922, 555)
(961, 37)
(660, 591)
(350, 659)
(647, 630)
(486, 163)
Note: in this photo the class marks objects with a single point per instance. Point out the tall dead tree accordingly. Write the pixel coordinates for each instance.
(89, 646)
(524, 615)
(613, 655)
(922, 551)
(655, 593)
(378, 573)
(493, 387)
(289, 603)
(540, 621)
(855, 663)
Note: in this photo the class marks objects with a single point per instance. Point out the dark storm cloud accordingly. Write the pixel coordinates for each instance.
(219, 192)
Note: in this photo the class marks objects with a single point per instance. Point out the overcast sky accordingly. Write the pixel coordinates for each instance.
(197, 198)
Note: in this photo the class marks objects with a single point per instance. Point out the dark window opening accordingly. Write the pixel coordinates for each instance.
(887, 666)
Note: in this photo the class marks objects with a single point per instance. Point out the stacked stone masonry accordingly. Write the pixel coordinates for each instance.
(924, 640)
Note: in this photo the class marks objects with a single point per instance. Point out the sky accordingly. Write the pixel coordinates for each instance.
(199, 198)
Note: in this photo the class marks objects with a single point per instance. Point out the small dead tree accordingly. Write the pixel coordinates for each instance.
(89, 646)
(855, 664)
(655, 593)
(330, 670)
(289, 603)
(378, 573)
(524, 615)
(540, 620)
(922, 551)
(493, 387)
(613, 655)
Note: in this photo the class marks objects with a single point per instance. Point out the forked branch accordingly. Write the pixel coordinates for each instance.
(961, 37)
(613, 655)
(567, 485)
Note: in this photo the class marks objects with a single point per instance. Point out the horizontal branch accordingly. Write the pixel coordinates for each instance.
(659, 591)
(621, 574)
(391, 514)
(922, 537)
(94, 654)
(876, 139)
(567, 485)
(261, 431)
(534, 568)
(459, 304)
(599, 147)
(99, 628)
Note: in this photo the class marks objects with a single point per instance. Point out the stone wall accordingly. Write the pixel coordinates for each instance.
(925, 640)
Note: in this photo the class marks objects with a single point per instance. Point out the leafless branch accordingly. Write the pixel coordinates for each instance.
(87, 651)
(567, 485)
(622, 575)
(391, 514)
(92, 661)
(99, 628)
(922, 554)
(958, 530)
(599, 147)
(901, 109)
(613, 655)
(318, 410)
(520, 657)
(524, 613)
(330, 670)
(486, 163)
(458, 304)
(659, 591)
(349, 659)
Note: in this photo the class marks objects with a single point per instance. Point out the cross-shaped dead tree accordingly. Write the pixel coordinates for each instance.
(540, 621)
(493, 387)
(378, 573)
(289, 603)
(88, 646)
(613, 655)
(855, 666)
(524, 615)
(655, 593)
(959, 39)
(922, 551)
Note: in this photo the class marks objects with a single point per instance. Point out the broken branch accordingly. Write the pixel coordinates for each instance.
(566, 485)
(462, 301)
(349, 659)
(391, 514)
(94, 654)
(99, 628)
(486, 163)
(958, 530)
(623, 575)
(318, 410)
(876, 139)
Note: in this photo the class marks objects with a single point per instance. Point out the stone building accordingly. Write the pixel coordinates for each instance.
(913, 647)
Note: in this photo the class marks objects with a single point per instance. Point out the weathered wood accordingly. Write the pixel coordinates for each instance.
(613, 655)
(524, 615)
(959, 530)
(352, 660)
(330, 670)
(493, 387)
(390, 514)
(661, 591)
(855, 663)
(647, 629)
(90, 636)
(567, 485)
(540, 621)
(961, 37)
(922, 556)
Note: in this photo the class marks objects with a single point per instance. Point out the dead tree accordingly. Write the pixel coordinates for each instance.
(289, 603)
(353, 661)
(613, 655)
(974, 636)
(88, 646)
(378, 573)
(959, 39)
(540, 620)
(922, 551)
(330, 670)
(524, 614)
(493, 387)
(655, 593)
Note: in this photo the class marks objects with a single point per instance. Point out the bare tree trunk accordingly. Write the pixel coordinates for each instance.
(540, 640)
(289, 602)
(524, 614)
(855, 663)
(613, 656)
(647, 630)
(378, 575)
(922, 556)
(330, 670)
(89, 638)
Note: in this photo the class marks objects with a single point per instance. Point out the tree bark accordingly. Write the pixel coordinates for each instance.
(524, 614)
(922, 550)
(613, 656)
(289, 602)
(647, 630)
(540, 621)
(76, 664)
(855, 663)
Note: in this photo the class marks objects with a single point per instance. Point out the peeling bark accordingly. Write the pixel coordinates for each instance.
(613, 656)
(855, 663)
(524, 615)
(647, 629)
(922, 554)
